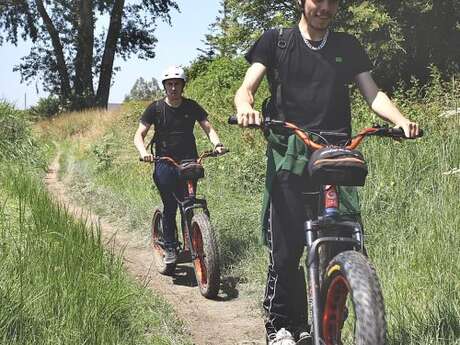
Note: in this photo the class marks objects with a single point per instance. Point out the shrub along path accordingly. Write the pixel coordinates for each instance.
(229, 320)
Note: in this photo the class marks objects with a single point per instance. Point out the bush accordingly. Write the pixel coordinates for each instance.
(104, 152)
(16, 141)
(46, 107)
(216, 85)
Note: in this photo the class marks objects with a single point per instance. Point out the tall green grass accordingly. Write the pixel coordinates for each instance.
(412, 219)
(57, 283)
(410, 203)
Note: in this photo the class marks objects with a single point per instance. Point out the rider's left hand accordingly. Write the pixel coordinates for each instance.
(219, 148)
(148, 158)
(411, 129)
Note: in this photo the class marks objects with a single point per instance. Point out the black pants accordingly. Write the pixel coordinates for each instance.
(293, 200)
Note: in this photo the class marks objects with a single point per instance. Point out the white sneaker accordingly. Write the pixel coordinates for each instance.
(304, 339)
(170, 256)
(282, 337)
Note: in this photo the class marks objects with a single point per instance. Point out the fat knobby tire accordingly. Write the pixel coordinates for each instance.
(208, 256)
(156, 236)
(352, 269)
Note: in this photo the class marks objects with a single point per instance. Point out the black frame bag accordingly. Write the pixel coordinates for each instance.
(333, 165)
(190, 170)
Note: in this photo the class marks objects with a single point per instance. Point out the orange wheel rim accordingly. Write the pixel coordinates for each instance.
(334, 310)
(199, 261)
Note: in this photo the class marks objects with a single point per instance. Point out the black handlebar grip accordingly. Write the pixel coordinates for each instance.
(399, 133)
(396, 132)
(232, 120)
(143, 160)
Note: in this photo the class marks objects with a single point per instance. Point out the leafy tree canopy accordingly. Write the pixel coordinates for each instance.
(144, 90)
(71, 54)
(402, 38)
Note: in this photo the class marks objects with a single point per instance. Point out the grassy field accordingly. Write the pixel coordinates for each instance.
(410, 204)
(57, 283)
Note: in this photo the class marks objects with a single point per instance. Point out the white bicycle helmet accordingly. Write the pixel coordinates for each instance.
(173, 72)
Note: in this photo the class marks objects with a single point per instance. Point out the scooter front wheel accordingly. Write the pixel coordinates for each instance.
(353, 308)
(206, 261)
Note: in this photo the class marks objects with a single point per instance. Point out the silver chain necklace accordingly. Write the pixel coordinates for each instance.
(321, 45)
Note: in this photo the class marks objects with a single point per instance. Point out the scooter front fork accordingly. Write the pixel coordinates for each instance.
(313, 283)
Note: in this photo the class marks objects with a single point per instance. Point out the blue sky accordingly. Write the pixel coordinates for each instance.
(177, 44)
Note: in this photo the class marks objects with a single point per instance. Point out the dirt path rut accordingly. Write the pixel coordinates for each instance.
(230, 320)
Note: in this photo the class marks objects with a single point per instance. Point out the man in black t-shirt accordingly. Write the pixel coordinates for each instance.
(173, 118)
(309, 87)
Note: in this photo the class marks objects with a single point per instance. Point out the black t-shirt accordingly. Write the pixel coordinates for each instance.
(174, 127)
(315, 83)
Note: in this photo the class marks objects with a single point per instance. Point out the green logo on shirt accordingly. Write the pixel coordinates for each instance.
(338, 59)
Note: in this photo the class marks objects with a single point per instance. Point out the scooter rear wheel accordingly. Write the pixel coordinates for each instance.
(157, 243)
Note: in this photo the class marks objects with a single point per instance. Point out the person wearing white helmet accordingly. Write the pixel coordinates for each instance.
(173, 118)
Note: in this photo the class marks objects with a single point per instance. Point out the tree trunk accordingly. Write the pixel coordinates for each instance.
(84, 88)
(108, 57)
(58, 51)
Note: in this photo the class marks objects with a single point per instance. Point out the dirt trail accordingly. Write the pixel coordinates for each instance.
(230, 320)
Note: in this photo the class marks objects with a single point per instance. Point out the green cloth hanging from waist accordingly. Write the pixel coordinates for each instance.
(289, 153)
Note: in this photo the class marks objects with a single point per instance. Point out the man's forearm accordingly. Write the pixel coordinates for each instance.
(139, 143)
(385, 108)
(213, 137)
(243, 98)
(210, 132)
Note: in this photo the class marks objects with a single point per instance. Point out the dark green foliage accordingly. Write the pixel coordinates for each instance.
(46, 107)
(405, 38)
(241, 22)
(200, 65)
(215, 89)
(217, 83)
